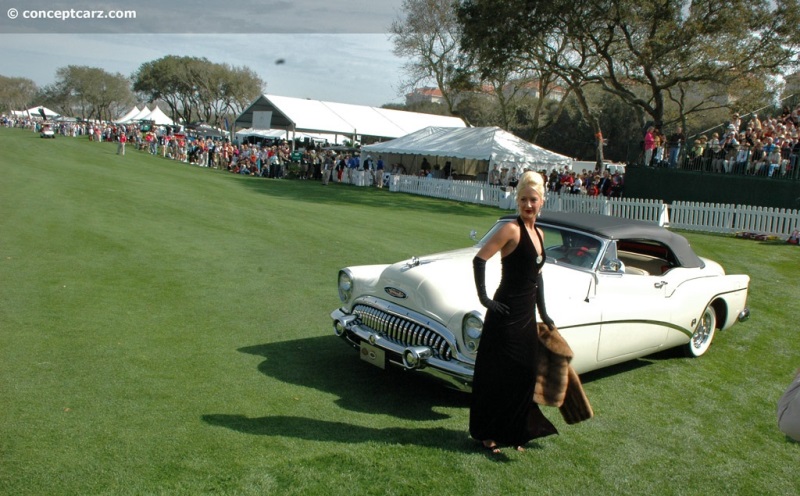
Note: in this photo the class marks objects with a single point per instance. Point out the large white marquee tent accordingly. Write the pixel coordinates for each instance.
(470, 151)
(36, 112)
(354, 122)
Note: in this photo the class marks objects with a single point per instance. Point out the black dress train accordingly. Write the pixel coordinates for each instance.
(502, 407)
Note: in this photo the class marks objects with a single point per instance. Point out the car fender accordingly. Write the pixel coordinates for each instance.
(692, 296)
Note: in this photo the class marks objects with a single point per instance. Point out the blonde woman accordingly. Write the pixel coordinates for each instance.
(502, 411)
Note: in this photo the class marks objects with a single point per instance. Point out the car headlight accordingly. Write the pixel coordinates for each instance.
(472, 329)
(345, 286)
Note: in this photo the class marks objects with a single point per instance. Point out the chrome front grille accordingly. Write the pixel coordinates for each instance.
(402, 330)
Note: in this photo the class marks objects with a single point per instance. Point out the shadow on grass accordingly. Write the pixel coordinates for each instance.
(620, 368)
(341, 432)
(329, 365)
(670, 354)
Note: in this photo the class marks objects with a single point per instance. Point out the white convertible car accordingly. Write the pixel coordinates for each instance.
(617, 289)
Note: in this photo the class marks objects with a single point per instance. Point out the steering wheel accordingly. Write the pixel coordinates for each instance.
(581, 256)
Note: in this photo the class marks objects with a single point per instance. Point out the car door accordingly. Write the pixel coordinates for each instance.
(635, 313)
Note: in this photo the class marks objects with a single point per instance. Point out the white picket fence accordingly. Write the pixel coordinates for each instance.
(719, 218)
(465, 191)
(629, 208)
(691, 216)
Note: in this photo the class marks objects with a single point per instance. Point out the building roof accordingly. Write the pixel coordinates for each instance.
(317, 116)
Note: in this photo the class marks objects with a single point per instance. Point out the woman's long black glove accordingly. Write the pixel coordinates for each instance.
(479, 269)
(540, 302)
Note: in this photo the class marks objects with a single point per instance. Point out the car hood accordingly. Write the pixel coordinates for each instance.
(443, 284)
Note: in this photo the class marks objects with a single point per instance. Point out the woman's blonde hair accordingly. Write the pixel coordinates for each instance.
(532, 179)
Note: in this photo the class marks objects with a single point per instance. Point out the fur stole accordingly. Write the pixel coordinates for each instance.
(557, 383)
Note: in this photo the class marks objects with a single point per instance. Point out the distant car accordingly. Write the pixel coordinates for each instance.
(618, 289)
(47, 132)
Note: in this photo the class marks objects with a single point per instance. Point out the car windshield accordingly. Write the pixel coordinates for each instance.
(568, 247)
(563, 246)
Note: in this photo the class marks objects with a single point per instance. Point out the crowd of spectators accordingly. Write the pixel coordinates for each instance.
(268, 158)
(565, 181)
(590, 183)
(308, 161)
(768, 147)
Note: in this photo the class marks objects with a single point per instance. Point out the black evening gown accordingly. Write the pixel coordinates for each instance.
(502, 407)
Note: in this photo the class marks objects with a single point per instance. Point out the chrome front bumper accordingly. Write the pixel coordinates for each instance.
(453, 373)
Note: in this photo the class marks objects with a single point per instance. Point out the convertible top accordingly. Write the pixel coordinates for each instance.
(617, 228)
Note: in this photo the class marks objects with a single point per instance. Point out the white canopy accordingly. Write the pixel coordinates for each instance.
(158, 117)
(37, 112)
(140, 115)
(476, 149)
(262, 133)
(273, 134)
(316, 116)
(125, 118)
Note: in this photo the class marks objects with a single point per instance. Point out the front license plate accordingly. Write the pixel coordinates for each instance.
(373, 355)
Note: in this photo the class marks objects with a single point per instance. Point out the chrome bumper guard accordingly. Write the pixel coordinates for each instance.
(744, 314)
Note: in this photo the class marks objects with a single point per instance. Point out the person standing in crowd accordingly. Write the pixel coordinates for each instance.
(327, 168)
(552, 182)
(716, 152)
(379, 168)
(730, 147)
(789, 409)
(352, 167)
(675, 143)
(660, 142)
(649, 146)
(513, 179)
(502, 410)
(494, 176)
(123, 138)
(604, 185)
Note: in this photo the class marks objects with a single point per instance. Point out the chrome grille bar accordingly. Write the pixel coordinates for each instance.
(402, 330)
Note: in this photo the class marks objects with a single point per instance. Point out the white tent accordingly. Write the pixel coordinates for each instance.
(158, 117)
(470, 151)
(262, 133)
(338, 119)
(274, 134)
(139, 116)
(128, 115)
(37, 112)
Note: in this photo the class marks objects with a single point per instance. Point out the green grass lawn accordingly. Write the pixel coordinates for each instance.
(164, 329)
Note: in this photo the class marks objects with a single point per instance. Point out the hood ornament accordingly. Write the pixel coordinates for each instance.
(413, 262)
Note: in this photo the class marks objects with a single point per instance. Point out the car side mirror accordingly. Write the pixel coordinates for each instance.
(613, 265)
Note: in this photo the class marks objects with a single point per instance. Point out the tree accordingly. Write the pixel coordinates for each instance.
(428, 35)
(548, 53)
(90, 92)
(195, 88)
(16, 93)
(640, 51)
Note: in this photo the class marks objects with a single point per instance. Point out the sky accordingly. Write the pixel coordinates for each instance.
(332, 50)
